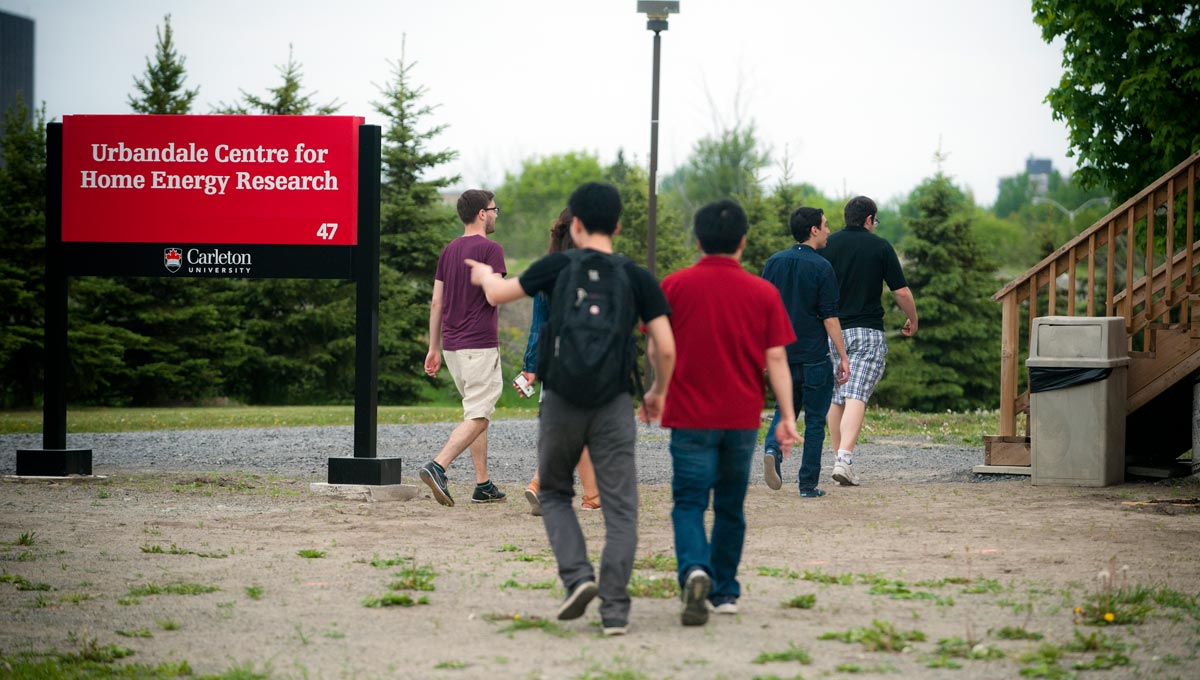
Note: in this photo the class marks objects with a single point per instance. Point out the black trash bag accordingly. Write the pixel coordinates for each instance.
(1050, 378)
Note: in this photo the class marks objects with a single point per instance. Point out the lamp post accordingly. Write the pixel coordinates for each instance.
(1070, 213)
(656, 12)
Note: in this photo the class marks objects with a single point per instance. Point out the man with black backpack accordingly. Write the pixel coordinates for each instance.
(587, 362)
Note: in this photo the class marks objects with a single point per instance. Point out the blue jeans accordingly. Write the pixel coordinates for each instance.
(812, 388)
(715, 462)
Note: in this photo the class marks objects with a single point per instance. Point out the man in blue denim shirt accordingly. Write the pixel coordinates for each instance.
(810, 293)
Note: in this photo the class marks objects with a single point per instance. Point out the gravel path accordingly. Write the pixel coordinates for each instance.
(303, 451)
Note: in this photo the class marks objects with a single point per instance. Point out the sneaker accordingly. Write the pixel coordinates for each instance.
(771, 463)
(535, 506)
(435, 479)
(487, 494)
(695, 594)
(576, 603)
(612, 628)
(843, 473)
(726, 607)
(812, 493)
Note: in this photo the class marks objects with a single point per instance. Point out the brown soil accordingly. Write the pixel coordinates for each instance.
(1034, 552)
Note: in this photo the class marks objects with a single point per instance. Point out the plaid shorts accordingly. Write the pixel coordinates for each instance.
(867, 349)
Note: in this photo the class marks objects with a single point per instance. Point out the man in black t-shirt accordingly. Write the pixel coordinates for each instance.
(863, 262)
(609, 430)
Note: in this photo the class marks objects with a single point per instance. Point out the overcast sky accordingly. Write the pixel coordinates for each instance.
(857, 93)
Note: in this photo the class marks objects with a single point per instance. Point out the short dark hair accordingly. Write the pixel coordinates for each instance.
(802, 222)
(471, 202)
(720, 226)
(598, 207)
(858, 210)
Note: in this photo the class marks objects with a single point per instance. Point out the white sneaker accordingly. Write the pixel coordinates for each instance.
(726, 608)
(843, 473)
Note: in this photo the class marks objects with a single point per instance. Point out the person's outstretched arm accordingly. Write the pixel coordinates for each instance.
(904, 298)
(833, 328)
(662, 339)
(496, 288)
(780, 375)
(433, 358)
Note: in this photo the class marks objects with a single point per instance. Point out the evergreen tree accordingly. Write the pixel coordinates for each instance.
(165, 340)
(953, 361)
(162, 88)
(672, 237)
(285, 100)
(414, 226)
(299, 333)
(22, 254)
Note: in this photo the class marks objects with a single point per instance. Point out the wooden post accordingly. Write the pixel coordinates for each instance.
(1091, 277)
(1169, 289)
(1110, 285)
(1129, 274)
(1148, 308)
(1010, 333)
(1072, 262)
(1051, 290)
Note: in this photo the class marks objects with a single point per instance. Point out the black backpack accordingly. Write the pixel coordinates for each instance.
(587, 349)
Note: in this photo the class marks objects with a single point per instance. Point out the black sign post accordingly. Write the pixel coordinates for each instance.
(54, 459)
(365, 467)
(359, 262)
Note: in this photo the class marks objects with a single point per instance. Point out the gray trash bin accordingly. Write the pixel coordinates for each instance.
(1077, 380)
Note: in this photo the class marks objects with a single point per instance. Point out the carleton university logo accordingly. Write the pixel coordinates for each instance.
(172, 257)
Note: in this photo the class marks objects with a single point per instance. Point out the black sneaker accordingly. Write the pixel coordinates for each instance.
(771, 463)
(487, 494)
(812, 493)
(577, 601)
(695, 598)
(435, 479)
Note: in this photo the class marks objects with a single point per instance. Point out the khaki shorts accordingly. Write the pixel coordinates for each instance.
(477, 376)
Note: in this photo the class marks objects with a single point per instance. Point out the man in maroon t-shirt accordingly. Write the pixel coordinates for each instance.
(728, 325)
(463, 328)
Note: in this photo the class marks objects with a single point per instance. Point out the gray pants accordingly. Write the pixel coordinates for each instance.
(610, 433)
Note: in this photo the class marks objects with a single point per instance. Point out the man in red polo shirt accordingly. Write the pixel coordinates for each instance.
(728, 325)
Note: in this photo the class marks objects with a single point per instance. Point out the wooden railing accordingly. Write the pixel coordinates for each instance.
(1127, 264)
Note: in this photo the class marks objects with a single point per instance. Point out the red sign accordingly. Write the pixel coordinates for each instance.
(287, 180)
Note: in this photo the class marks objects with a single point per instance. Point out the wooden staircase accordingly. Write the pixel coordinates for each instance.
(1140, 262)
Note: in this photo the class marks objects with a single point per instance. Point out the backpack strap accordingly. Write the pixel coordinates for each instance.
(620, 260)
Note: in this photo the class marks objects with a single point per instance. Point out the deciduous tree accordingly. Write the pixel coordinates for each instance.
(1130, 86)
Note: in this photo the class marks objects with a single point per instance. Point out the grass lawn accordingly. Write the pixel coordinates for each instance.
(947, 428)
(89, 419)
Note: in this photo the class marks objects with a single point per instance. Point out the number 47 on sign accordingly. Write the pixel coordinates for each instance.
(327, 230)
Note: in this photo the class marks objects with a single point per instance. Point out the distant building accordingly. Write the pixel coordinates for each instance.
(16, 61)
(1039, 170)
(449, 197)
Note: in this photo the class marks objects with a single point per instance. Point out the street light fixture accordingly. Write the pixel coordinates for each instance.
(656, 12)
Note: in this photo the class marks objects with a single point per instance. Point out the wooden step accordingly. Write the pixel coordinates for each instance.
(1006, 451)
(1176, 355)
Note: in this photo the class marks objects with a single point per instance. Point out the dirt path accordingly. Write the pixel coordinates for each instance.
(1032, 553)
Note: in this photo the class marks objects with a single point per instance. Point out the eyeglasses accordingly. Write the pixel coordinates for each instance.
(496, 208)
(875, 220)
